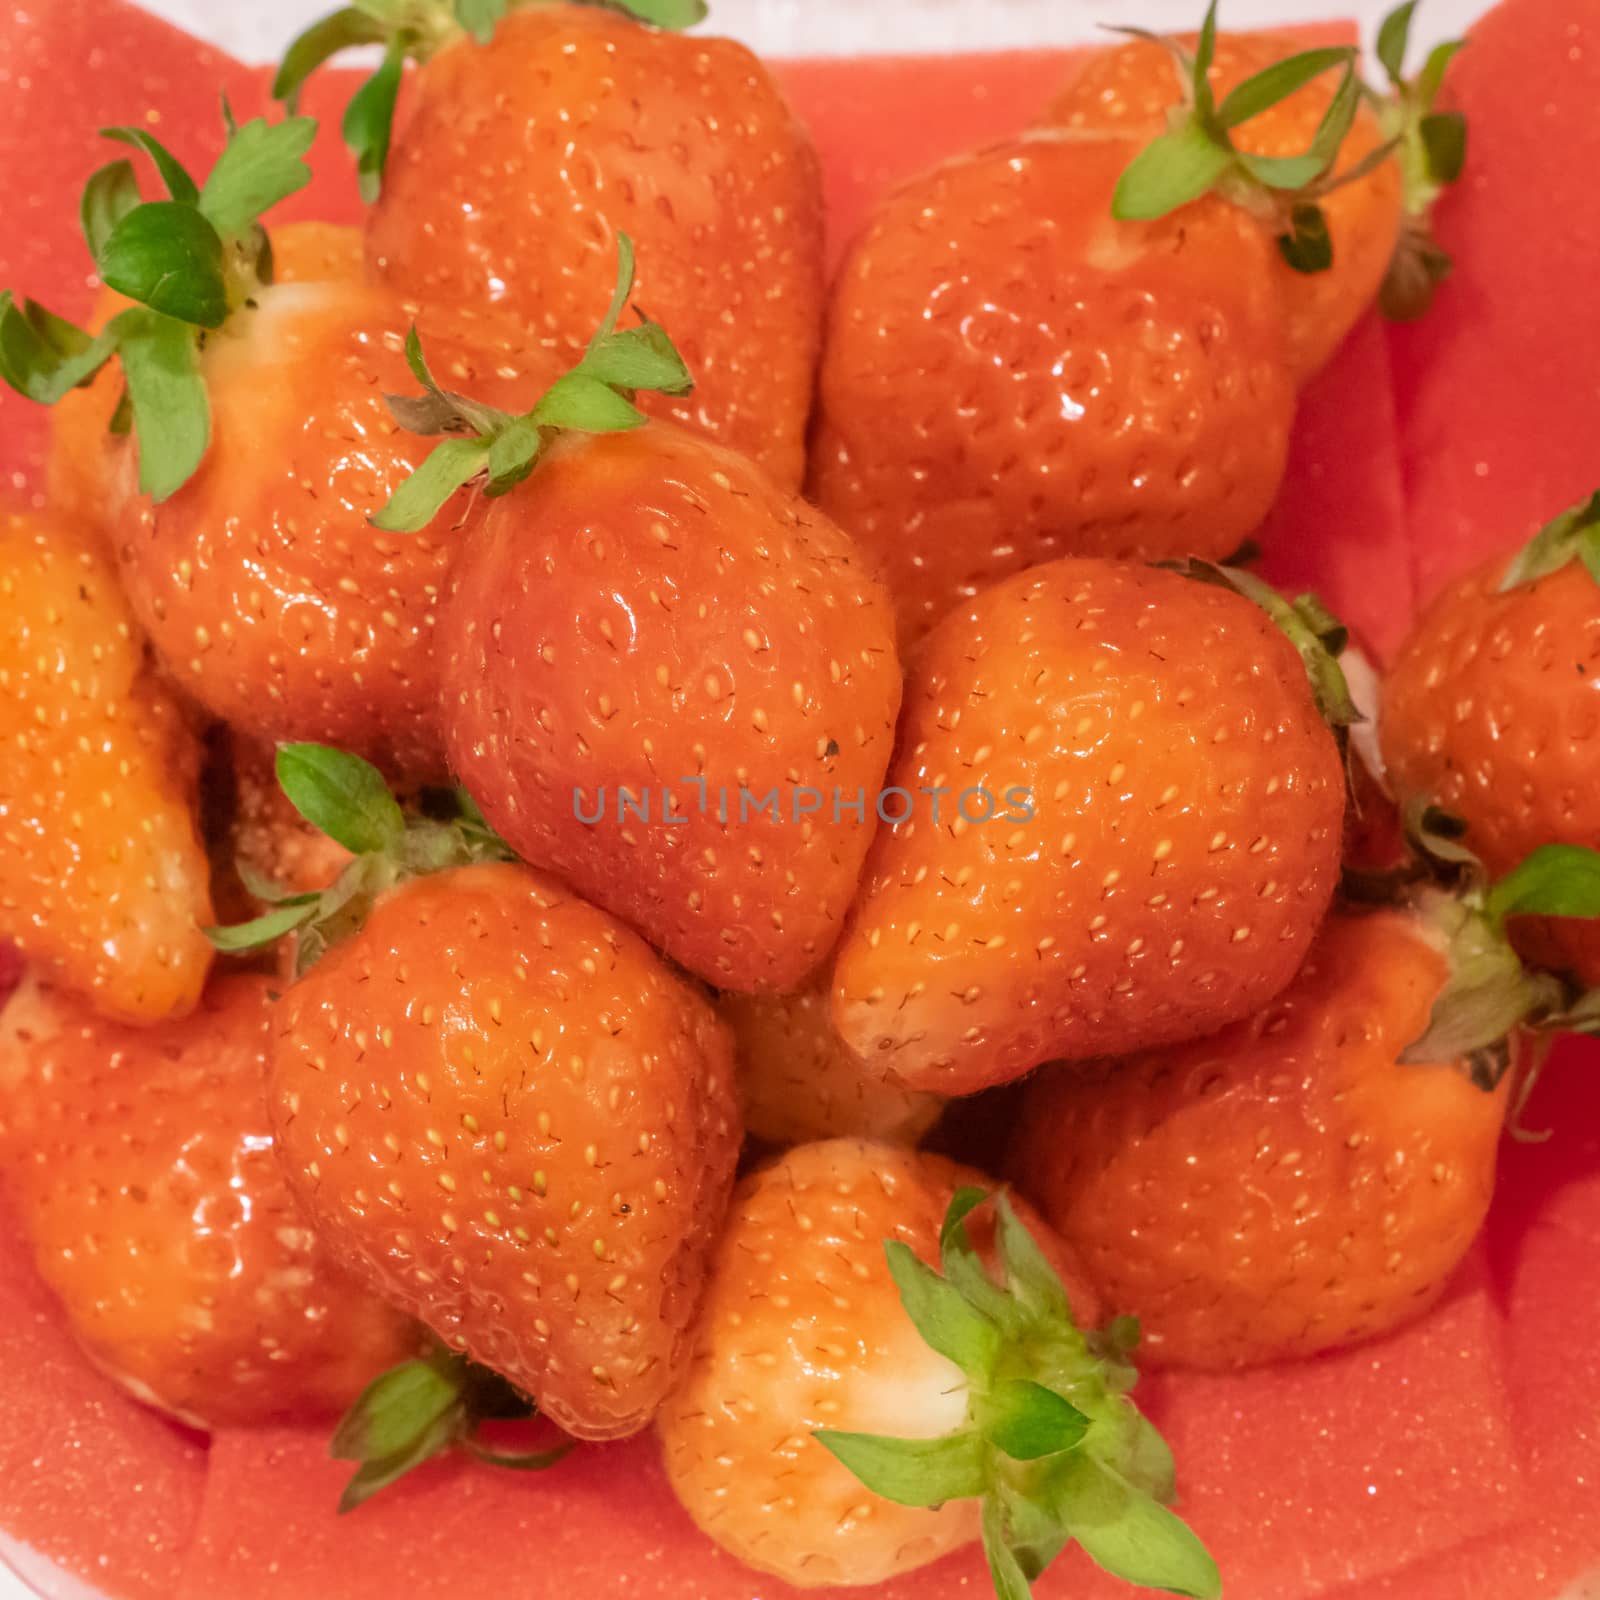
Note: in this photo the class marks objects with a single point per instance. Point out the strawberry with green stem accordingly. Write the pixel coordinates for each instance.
(873, 1324)
(539, 132)
(262, 443)
(1313, 1174)
(501, 1110)
(650, 621)
(1490, 713)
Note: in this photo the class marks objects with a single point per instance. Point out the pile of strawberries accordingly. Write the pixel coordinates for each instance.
(524, 712)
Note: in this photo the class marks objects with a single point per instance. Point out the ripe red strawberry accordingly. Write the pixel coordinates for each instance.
(664, 676)
(1492, 712)
(141, 1169)
(797, 1081)
(103, 877)
(969, 1405)
(1139, 827)
(1305, 1178)
(1011, 375)
(528, 151)
(1137, 88)
(499, 1107)
(82, 447)
(240, 521)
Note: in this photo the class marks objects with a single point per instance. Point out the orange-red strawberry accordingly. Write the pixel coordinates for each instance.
(506, 1114)
(262, 444)
(525, 155)
(1138, 828)
(1135, 88)
(141, 1168)
(103, 876)
(1492, 713)
(651, 619)
(1290, 1184)
(850, 1415)
(1010, 375)
(797, 1081)
(81, 443)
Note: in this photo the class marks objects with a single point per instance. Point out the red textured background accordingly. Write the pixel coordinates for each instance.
(1455, 1461)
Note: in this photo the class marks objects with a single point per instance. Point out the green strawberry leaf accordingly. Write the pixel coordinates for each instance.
(1026, 1421)
(518, 1460)
(167, 394)
(317, 44)
(1573, 534)
(369, 118)
(959, 1258)
(342, 796)
(1029, 1275)
(180, 186)
(1337, 120)
(1431, 79)
(1172, 170)
(1285, 173)
(260, 887)
(673, 15)
(1394, 34)
(108, 196)
(1306, 244)
(1556, 880)
(586, 405)
(449, 467)
(393, 1408)
(1277, 82)
(480, 17)
(265, 929)
(638, 358)
(1005, 1571)
(912, 1472)
(1205, 51)
(42, 356)
(948, 1324)
(1444, 138)
(167, 256)
(261, 164)
(1132, 1537)
(513, 455)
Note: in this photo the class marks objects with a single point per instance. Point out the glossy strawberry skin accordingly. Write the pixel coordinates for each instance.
(103, 876)
(1187, 802)
(82, 449)
(798, 1081)
(509, 1117)
(803, 1329)
(1129, 89)
(140, 1165)
(1284, 1186)
(1492, 711)
(261, 582)
(650, 610)
(522, 161)
(1010, 376)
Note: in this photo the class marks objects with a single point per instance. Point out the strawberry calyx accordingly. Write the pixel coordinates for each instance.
(503, 449)
(347, 799)
(416, 30)
(425, 1408)
(1574, 535)
(1317, 635)
(190, 261)
(1431, 148)
(1052, 1445)
(1196, 154)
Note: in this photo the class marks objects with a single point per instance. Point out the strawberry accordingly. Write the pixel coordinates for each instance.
(103, 878)
(1492, 709)
(664, 676)
(1309, 1176)
(797, 1081)
(500, 1109)
(530, 147)
(77, 480)
(1141, 87)
(239, 523)
(141, 1168)
(1139, 825)
(1074, 385)
(851, 1414)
